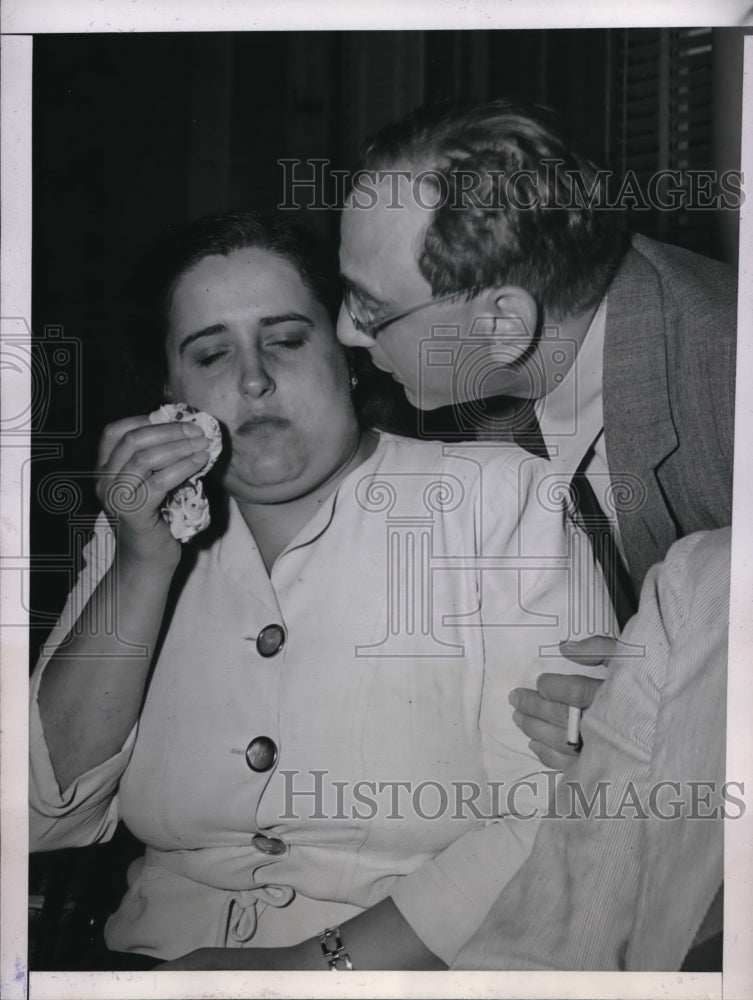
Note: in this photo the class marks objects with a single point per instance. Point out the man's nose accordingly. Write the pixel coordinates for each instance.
(347, 333)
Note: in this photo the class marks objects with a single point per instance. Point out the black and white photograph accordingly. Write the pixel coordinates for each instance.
(376, 534)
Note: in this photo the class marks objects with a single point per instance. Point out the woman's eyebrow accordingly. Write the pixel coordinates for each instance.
(208, 331)
(291, 317)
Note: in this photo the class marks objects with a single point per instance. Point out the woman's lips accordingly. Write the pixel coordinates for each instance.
(262, 425)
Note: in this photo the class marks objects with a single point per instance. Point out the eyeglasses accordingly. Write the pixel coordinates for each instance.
(365, 322)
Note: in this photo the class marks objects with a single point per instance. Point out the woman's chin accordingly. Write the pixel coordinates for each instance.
(266, 483)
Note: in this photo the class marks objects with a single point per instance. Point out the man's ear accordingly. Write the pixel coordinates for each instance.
(509, 313)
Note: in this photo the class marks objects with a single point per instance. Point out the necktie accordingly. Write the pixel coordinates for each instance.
(525, 429)
(587, 514)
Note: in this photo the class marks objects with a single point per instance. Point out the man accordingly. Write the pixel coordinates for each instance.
(626, 869)
(483, 258)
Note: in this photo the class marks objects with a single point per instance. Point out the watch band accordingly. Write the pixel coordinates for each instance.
(331, 941)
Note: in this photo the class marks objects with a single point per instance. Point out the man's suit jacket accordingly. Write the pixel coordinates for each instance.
(669, 383)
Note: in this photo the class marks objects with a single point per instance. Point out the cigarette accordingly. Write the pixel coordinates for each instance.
(573, 727)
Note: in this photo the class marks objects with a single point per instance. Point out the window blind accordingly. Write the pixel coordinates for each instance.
(662, 122)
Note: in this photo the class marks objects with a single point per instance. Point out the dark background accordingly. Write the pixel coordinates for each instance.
(136, 133)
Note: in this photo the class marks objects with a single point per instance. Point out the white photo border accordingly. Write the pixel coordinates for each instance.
(44, 16)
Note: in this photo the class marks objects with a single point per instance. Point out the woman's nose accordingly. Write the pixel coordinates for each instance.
(255, 380)
(347, 333)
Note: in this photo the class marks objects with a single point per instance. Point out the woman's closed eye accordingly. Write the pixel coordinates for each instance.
(271, 342)
(210, 358)
(286, 341)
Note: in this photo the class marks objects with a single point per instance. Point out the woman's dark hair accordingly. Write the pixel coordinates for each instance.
(221, 235)
(143, 371)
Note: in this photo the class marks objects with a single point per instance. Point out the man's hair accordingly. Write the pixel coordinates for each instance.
(519, 202)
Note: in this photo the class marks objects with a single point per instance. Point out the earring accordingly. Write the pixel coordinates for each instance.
(353, 381)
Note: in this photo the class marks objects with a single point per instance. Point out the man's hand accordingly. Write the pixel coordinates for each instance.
(542, 714)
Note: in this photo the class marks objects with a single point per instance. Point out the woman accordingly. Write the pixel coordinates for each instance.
(302, 712)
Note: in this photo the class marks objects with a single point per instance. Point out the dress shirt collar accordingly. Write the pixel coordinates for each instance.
(571, 416)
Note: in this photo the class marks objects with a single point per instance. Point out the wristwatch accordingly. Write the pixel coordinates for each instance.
(331, 941)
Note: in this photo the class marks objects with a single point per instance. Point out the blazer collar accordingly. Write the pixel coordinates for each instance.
(636, 390)
(638, 427)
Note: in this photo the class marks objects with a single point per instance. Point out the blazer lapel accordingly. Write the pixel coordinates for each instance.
(638, 428)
